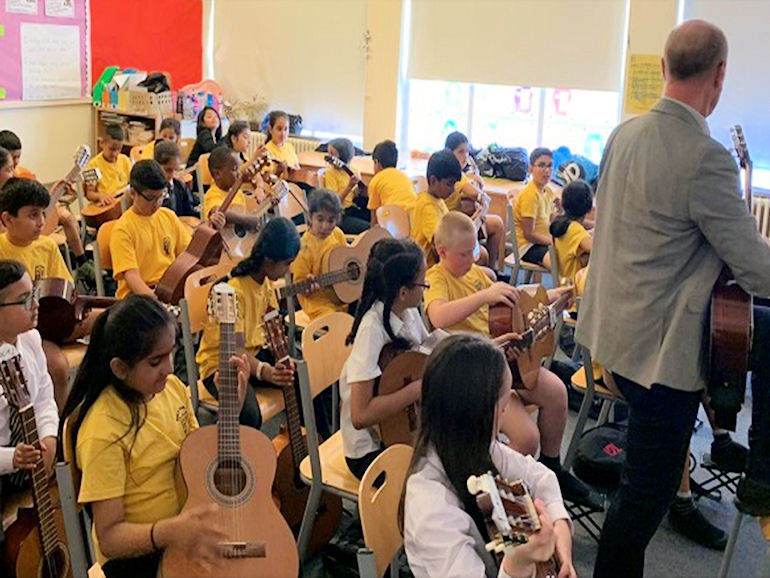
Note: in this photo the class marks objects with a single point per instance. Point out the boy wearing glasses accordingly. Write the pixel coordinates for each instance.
(148, 237)
(18, 304)
(534, 209)
(22, 206)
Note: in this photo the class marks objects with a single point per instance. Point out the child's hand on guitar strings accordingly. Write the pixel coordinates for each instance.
(217, 220)
(198, 532)
(539, 548)
(282, 375)
(102, 200)
(314, 286)
(241, 363)
(25, 457)
(508, 342)
(501, 292)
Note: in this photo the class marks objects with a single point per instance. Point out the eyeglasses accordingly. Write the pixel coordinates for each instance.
(544, 165)
(26, 302)
(159, 198)
(423, 285)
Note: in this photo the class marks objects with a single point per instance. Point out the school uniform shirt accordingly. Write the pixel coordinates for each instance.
(139, 467)
(391, 187)
(362, 365)
(204, 143)
(445, 286)
(114, 175)
(41, 258)
(568, 249)
(34, 367)
(532, 204)
(148, 151)
(215, 197)
(24, 173)
(309, 261)
(148, 243)
(453, 201)
(252, 300)
(181, 200)
(441, 538)
(337, 180)
(428, 211)
(284, 153)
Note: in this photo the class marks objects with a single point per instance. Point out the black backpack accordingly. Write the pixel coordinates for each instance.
(600, 456)
(503, 163)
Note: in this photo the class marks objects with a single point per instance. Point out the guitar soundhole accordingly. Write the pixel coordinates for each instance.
(231, 481)
(54, 566)
(354, 270)
(240, 231)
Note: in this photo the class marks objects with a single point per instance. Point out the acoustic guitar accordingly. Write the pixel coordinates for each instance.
(61, 308)
(291, 446)
(342, 165)
(204, 249)
(732, 322)
(534, 319)
(510, 516)
(35, 544)
(399, 368)
(96, 215)
(233, 466)
(82, 156)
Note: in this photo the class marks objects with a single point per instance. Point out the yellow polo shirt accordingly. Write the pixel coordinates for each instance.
(252, 300)
(41, 258)
(138, 468)
(114, 175)
(428, 211)
(284, 153)
(309, 261)
(215, 196)
(568, 249)
(337, 180)
(532, 204)
(391, 187)
(447, 287)
(453, 201)
(148, 243)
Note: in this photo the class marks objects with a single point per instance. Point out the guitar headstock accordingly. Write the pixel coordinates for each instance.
(222, 303)
(12, 380)
(507, 508)
(335, 161)
(82, 156)
(91, 176)
(739, 144)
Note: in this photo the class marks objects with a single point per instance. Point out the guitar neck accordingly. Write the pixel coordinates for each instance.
(747, 185)
(324, 280)
(43, 503)
(229, 439)
(554, 310)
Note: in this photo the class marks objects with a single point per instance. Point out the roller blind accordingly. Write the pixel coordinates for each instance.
(550, 43)
(304, 56)
(747, 84)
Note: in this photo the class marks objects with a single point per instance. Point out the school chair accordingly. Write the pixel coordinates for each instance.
(185, 147)
(203, 174)
(294, 204)
(378, 510)
(193, 315)
(727, 557)
(395, 220)
(514, 259)
(136, 152)
(324, 469)
(102, 258)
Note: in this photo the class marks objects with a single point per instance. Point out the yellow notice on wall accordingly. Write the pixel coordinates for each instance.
(644, 83)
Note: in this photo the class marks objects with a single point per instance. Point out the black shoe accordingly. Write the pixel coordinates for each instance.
(693, 525)
(503, 277)
(575, 491)
(753, 497)
(729, 456)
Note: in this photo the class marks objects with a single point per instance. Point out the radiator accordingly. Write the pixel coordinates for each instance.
(300, 144)
(761, 212)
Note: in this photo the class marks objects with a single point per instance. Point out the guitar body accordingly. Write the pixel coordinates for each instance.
(504, 319)
(307, 177)
(61, 309)
(204, 250)
(95, 215)
(248, 513)
(293, 493)
(350, 257)
(399, 369)
(23, 552)
(238, 240)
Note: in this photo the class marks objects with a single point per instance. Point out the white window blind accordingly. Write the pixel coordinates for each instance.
(747, 84)
(549, 43)
(304, 56)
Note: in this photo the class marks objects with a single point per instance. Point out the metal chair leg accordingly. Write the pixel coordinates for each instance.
(585, 409)
(727, 557)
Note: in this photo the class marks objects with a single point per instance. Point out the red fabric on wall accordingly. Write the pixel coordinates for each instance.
(163, 35)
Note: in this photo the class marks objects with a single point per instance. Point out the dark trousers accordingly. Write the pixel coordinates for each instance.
(758, 463)
(355, 221)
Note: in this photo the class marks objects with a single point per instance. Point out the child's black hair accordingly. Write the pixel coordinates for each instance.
(147, 175)
(18, 193)
(220, 158)
(200, 126)
(10, 272)
(344, 148)
(576, 200)
(539, 152)
(166, 150)
(171, 123)
(115, 131)
(278, 241)
(272, 118)
(10, 141)
(386, 154)
(234, 131)
(443, 164)
(5, 157)
(324, 200)
(454, 140)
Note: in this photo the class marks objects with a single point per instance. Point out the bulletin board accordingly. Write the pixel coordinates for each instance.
(44, 50)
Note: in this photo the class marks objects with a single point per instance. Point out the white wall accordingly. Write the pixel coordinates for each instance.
(49, 133)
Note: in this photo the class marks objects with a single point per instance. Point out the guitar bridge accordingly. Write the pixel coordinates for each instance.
(242, 549)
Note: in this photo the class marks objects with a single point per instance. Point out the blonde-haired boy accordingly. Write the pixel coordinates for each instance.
(458, 299)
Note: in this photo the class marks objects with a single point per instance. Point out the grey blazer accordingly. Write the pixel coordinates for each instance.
(669, 214)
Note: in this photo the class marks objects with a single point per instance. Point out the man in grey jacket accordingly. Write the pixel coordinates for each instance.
(669, 217)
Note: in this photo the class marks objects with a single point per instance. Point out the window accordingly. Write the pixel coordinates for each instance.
(510, 116)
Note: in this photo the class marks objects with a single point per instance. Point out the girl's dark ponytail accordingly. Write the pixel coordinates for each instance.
(278, 241)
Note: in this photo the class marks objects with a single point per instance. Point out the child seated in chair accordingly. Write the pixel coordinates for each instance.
(458, 299)
(18, 303)
(570, 239)
(148, 237)
(322, 236)
(180, 199)
(114, 167)
(534, 209)
(389, 186)
(22, 202)
(442, 174)
(170, 130)
(224, 167)
(84, 270)
(277, 144)
(355, 216)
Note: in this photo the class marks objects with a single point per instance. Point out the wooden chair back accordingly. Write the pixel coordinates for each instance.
(204, 174)
(136, 153)
(294, 203)
(324, 349)
(185, 147)
(395, 220)
(196, 292)
(378, 506)
(69, 455)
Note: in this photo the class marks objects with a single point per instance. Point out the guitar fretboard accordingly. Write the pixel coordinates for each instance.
(324, 280)
(228, 425)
